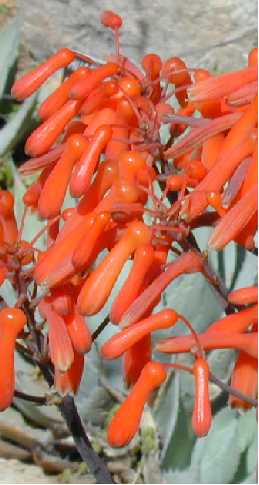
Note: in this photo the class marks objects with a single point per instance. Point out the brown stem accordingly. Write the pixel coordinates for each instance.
(233, 391)
(100, 328)
(96, 464)
(39, 400)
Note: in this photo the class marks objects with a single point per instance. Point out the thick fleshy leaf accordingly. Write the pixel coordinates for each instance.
(221, 453)
(178, 453)
(32, 223)
(9, 42)
(246, 429)
(166, 409)
(181, 476)
(17, 125)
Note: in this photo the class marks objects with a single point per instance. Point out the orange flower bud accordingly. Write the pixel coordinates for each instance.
(60, 96)
(85, 168)
(235, 220)
(84, 87)
(54, 190)
(122, 341)
(30, 82)
(244, 379)
(7, 217)
(244, 296)
(218, 86)
(68, 382)
(47, 133)
(143, 259)
(125, 423)
(201, 418)
(85, 248)
(99, 284)
(111, 19)
(79, 332)
(60, 347)
(189, 262)
(135, 359)
(211, 340)
(12, 321)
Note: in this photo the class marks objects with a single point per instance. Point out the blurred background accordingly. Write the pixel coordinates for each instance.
(217, 35)
(212, 33)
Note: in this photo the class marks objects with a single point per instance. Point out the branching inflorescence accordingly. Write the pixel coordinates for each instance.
(100, 139)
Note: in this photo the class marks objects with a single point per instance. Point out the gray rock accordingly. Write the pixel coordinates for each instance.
(216, 34)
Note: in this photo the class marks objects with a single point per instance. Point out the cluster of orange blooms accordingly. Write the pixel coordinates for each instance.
(100, 139)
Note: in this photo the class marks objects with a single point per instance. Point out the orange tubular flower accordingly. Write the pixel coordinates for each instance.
(217, 177)
(99, 284)
(54, 189)
(143, 259)
(222, 85)
(235, 220)
(143, 177)
(210, 150)
(244, 379)
(29, 83)
(243, 95)
(60, 96)
(47, 133)
(135, 359)
(7, 218)
(61, 300)
(68, 382)
(32, 194)
(111, 20)
(84, 87)
(212, 340)
(201, 418)
(236, 322)
(98, 97)
(119, 343)
(42, 162)
(174, 70)
(152, 64)
(60, 347)
(187, 263)
(244, 296)
(56, 265)
(12, 321)
(85, 168)
(124, 425)
(199, 135)
(79, 332)
(84, 251)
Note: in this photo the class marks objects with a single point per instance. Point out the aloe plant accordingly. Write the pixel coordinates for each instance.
(166, 441)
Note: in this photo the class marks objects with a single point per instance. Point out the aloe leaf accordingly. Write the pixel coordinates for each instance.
(221, 452)
(178, 454)
(252, 453)
(17, 126)
(246, 429)
(32, 223)
(9, 42)
(180, 476)
(166, 410)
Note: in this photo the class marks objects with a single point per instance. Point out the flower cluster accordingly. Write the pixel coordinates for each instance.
(100, 139)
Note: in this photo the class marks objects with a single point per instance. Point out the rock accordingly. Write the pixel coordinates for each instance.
(216, 35)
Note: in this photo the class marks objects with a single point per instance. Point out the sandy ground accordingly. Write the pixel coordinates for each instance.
(13, 471)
